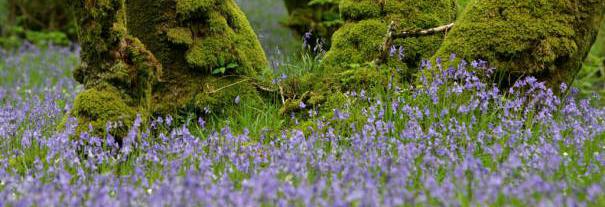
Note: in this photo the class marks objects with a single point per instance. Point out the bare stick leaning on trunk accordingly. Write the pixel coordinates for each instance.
(392, 35)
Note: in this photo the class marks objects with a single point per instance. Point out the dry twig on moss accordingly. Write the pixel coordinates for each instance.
(392, 35)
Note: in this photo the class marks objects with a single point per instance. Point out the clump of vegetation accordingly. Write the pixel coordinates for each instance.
(546, 39)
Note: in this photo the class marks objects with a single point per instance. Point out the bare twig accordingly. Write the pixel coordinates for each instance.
(426, 32)
(392, 35)
(228, 86)
(264, 88)
(281, 93)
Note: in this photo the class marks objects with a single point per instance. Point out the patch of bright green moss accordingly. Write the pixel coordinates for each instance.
(223, 38)
(356, 42)
(352, 10)
(180, 35)
(187, 7)
(211, 53)
(97, 107)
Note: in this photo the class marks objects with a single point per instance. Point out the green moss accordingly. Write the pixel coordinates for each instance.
(545, 38)
(211, 52)
(223, 38)
(97, 107)
(357, 42)
(96, 37)
(360, 9)
(187, 7)
(361, 39)
(180, 35)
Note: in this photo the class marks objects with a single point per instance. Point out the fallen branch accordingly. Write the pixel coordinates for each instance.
(227, 86)
(426, 32)
(392, 35)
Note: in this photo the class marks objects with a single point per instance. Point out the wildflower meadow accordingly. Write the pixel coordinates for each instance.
(452, 137)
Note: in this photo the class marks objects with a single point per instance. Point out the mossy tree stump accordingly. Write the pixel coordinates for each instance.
(361, 38)
(162, 57)
(547, 39)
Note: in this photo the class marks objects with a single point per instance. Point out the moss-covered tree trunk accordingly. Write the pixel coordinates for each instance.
(361, 39)
(162, 57)
(208, 50)
(116, 69)
(544, 38)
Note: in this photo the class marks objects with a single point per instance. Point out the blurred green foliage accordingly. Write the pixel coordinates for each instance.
(591, 79)
(320, 17)
(38, 21)
(3, 10)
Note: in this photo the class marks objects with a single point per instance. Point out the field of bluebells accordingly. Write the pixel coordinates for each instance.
(453, 140)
